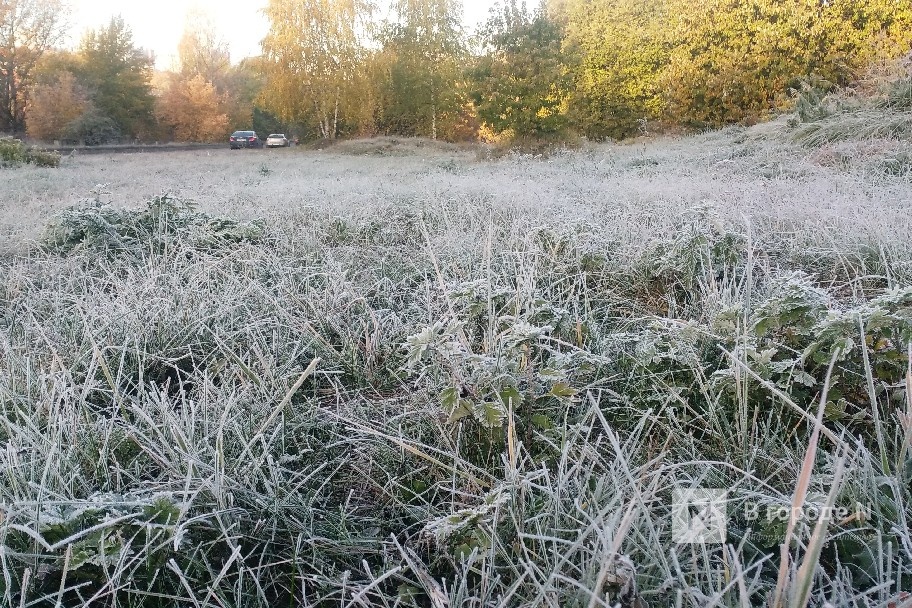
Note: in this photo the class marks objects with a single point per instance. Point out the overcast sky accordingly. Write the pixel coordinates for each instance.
(158, 24)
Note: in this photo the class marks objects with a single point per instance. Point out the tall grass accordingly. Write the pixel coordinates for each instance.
(457, 401)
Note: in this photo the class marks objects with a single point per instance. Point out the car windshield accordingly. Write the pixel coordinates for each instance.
(242, 133)
(277, 136)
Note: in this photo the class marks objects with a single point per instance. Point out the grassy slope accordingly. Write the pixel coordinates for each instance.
(516, 363)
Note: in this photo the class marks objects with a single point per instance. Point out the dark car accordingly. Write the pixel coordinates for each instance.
(244, 139)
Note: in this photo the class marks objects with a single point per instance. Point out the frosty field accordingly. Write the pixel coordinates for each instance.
(401, 373)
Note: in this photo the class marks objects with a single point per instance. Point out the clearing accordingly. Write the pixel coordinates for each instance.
(401, 373)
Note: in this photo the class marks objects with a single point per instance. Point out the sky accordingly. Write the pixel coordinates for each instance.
(158, 24)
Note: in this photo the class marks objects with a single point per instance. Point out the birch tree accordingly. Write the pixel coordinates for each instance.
(314, 56)
(422, 47)
(202, 52)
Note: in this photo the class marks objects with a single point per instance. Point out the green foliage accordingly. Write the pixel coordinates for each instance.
(266, 122)
(313, 63)
(82, 541)
(520, 84)
(737, 61)
(810, 102)
(92, 129)
(899, 96)
(419, 92)
(13, 153)
(42, 158)
(519, 383)
(162, 224)
(618, 51)
(117, 75)
(716, 62)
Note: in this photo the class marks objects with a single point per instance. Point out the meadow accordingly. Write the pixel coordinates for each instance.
(405, 373)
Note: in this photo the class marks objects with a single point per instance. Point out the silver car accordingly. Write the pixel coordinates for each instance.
(277, 140)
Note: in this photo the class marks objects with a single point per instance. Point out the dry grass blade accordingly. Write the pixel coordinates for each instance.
(801, 488)
(805, 576)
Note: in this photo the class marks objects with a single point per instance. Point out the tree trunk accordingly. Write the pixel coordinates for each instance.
(335, 130)
(322, 119)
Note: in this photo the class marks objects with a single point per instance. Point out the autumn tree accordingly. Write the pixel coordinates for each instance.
(245, 82)
(55, 106)
(422, 51)
(28, 28)
(192, 109)
(202, 52)
(195, 102)
(313, 62)
(520, 83)
(117, 75)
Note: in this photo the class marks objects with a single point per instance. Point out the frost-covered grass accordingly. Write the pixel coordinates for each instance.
(430, 379)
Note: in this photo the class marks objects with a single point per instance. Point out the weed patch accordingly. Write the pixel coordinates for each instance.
(164, 222)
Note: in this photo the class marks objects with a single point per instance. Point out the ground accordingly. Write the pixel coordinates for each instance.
(641, 186)
(401, 372)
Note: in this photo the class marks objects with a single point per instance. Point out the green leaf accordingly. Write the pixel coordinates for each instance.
(490, 414)
(510, 397)
(456, 408)
(542, 422)
(804, 378)
(463, 551)
(464, 409)
(449, 398)
(562, 389)
(551, 374)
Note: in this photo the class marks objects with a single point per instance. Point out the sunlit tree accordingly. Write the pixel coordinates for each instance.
(55, 106)
(202, 52)
(731, 61)
(28, 28)
(421, 66)
(618, 51)
(313, 58)
(520, 83)
(192, 109)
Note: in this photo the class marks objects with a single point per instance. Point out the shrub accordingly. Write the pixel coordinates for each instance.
(13, 153)
(92, 129)
(42, 158)
(165, 221)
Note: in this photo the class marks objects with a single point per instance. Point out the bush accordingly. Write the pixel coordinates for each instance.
(42, 158)
(899, 97)
(92, 129)
(13, 153)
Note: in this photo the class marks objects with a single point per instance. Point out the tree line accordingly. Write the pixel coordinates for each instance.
(332, 68)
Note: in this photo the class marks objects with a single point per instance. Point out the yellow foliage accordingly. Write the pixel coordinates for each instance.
(193, 110)
(54, 106)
